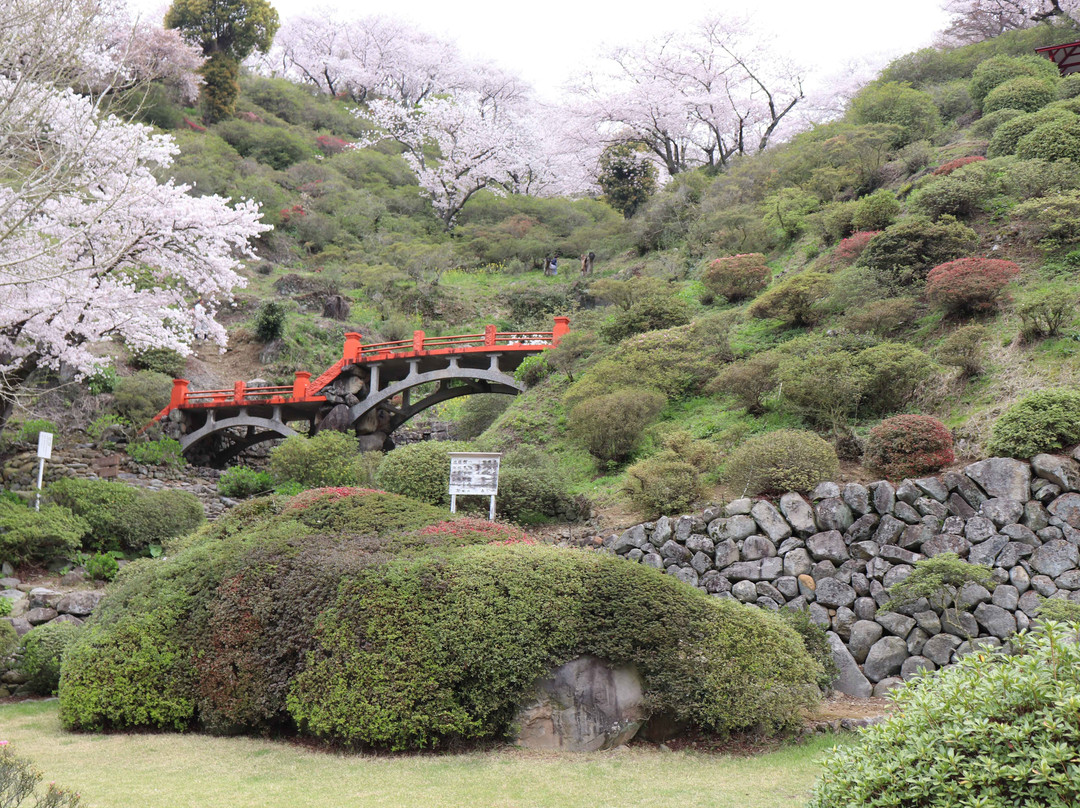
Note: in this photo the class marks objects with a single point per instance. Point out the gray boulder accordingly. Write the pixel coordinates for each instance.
(739, 507)
(939, 648)
(915, 665)
(995, 620)
(797, 562)
(833, 594)
(883, 496)
(1002, 477)
(959, 624)
(856, 497)
(80, 604)
(634, 537)
(1055, 557)
(757, 547)
(889, 530)
(1064, 472)
(896, 624)
(986, 551)
(745, 591)
(1006, 596)
(798, 513)
(833, 514)
(850, 680)
(828, 546)
(736, 528)
(771, 522)
(946, 543)
(864, 633)
(932, 487)
(885, 658)
(1002, 511)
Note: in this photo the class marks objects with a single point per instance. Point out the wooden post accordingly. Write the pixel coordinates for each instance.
(238, 392)
(178, 397)
(300, 385)
(489, 335)
(352, 347)
(418, 341)
(562, 328)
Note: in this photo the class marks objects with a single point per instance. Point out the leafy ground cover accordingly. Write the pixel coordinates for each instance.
(197, 771)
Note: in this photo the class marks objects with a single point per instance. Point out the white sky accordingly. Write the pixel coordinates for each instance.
(548, 41)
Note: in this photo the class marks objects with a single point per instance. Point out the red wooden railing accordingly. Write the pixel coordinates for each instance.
(303, 389)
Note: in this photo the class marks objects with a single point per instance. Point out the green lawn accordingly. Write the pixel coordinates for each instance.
(178, 771)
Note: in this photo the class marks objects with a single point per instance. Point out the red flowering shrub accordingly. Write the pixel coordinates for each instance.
(737, 277)
(305, 499)
(469, 530)
(295, 212)
(329, 144)
(847, 252)
(951, 166)
(908, 446)
(969, 285)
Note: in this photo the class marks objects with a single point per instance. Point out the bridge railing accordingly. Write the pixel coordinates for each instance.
(304, 389)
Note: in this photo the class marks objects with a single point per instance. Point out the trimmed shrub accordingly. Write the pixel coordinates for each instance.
(241, 482)
(913, 111)
(784, 460)
(997, 70)
(1045, 311)
(1053, 219)
(965, 348)
(9, 638)
(815, 642)
(1024, 93)
(1044, 421)
(610, 426)
(664, 483)
(532, 370)
(893, 372)
(402, 638)
(420, 470)
(532, 489)
(962, 193)
(1068, 87)
(101, 503)
(142, 395)
(35, 537)
(884, 318)
(939, 580)
(904, 253)
(750, 382)
(1057, 140)
(328, 458)
(102, 567)
(43, 650)
(1008, 134)
(995, 720)
(270, 321)
(795, 300)
(160, 452)
(847, 252)
(649, 314)
(876, 211)
(949, 167)
(160, 360)
(988, 124)
(156, 516)
(969, 286)
(908, 446)
(737, 277)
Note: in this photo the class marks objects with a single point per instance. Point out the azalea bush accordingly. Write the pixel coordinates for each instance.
(1044, 421)
(737, 277)
(908, 446)
(784, 460)
(969, 285)
(950, 166)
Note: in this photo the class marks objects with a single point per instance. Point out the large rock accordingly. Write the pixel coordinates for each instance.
(833, 594)
(884, 496)
(850, 681)
(939, 648)
(629, 539)
(995, 620)
(1055, 557)
(864, 633)
(80, 604)
(885, 658)
(736, 528)
(1002, 511)
(583, 706)
(946, 543)
(1002, 477)
(833, 514)
(772, 523)
(756, 547)
(828, 546)
(798, 513)
(1067, 509)
(1062, 471)
(797, 562)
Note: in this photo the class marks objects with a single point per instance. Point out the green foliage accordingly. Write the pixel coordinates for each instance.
(988, 731)
(737, 277)
(101, 504)
(883, 318)
(784, 460)
(275, 146)
(988, 124)
(29, 430)
(157, 516)
(233, 27)
(750, 382)
(965, 348)
(1059, 610)
(479, 412)
(9, 638)
(1024, 93)
(939, 580)
(626, 177)
(610, 426)
(913, 111)
(43, 649)
(270, 321)
(160, 360)
(1039, 422)
(142, 395)
(788, 211)
(241, 482)
(105, 424)
(648, 314)
(1047, 309)
(532, 370)
(29, 536)
(532, 489)
(815, 642)
(1053, 219)
(1000, 70)
(420, 470)
(905, 252)
(160, 452)
(19, 779)
(795, 300)
(961, 193)
(908, 446)
(329, 458)
(876, 211)
(1056, 140)
(217, 98)
(663, 483)
(1008, 134)
(102, 380)
(102, 567)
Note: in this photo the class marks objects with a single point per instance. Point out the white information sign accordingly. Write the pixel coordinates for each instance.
(44, 445)
(474, 473)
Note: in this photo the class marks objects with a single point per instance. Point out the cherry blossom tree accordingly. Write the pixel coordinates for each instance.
(92, 246)
(976, 20)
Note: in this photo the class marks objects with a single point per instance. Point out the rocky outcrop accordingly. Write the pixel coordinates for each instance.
(837, 552)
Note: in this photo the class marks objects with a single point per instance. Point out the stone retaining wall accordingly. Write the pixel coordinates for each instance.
(837, 553)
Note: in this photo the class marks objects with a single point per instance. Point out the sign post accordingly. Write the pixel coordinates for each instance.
(44, 452)
(474, 473)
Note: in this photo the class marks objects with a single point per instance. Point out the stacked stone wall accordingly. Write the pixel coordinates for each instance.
(837, 553)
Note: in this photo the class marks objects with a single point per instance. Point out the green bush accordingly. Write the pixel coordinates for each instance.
(610, 426)
(29, 430)
(270, 321)
(795, 300)
(1053, 219)
(358, 617)
(961, 193)
(9, 638)
(160, 452)
(784, 460)
(883, 318)
(1056, 140)
(649, 314)
(160, 360)
(1046, 310)
(998, 70)
(1068, 87)
(19, 780)
(102, 567)
(241, 482)
(876, 211)
(1059, 610)
(43, 650)
(420, 470)
(986, 731)
(663, 483)
(965, 348)
(908, 446)
(328, 458)
(913, 111)
(904, 253)
(893, 371)
(815, 642)
(480, 412)
(36, 537)
(275, 146)
(157, 516)
(736, 277)
(532, 370)
(1008, 134)
(1040, 422)
(750, 382)
(142, 395)
(1025, 93)
(988, 124)
(532, 489)
(101, 503)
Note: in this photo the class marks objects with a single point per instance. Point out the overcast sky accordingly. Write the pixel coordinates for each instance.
(548, 41)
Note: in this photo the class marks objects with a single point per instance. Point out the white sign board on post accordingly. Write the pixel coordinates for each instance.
(474, 473)
(44, 452)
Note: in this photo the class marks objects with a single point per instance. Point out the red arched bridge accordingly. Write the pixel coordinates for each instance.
(369, 390)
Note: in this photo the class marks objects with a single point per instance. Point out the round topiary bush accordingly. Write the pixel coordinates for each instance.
(989, 730)
(1056, 140)
(908, 446)
(998, 70)
(1040, 422)
(784, 460)
(663, 484)
(969, 286)
(905, 252)
(369, 620)
(610, 426)
(737, 277)
(241, 482)
(419, 470)
(43, 650)
(1007, 135)
(1025, 93)
(876, 211)
(328, 458)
